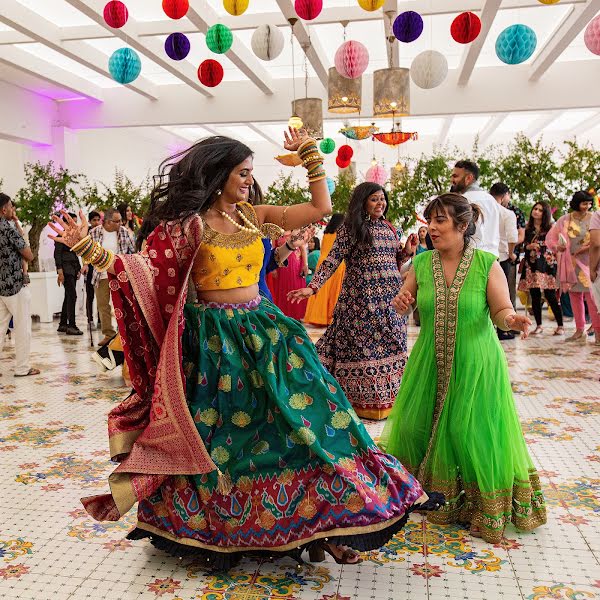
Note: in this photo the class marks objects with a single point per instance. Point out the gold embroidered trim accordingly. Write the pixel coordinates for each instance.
(445, 324)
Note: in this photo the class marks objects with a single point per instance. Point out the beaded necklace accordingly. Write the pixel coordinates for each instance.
(249, 227)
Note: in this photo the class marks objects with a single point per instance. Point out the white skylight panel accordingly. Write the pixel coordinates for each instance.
(569, 119)
(520, 121)
(468, 125)
(58, 12)
(192, 134)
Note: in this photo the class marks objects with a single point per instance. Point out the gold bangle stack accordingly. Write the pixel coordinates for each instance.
(312, 160)
(92, 253)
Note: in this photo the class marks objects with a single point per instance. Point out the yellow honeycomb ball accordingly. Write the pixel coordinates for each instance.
(236, 7)
(371, 5)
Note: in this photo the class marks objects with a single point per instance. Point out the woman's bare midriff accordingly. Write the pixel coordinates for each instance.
(234, 296)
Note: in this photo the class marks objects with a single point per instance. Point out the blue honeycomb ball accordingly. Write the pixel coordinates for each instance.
(125, 65)
(330, 185)
(516, 44)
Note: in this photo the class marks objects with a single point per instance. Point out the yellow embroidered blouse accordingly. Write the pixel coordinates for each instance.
(227, 261)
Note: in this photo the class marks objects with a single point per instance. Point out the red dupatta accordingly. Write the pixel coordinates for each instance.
(151, 433)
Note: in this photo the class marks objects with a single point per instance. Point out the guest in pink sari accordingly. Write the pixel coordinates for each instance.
(288, 278)
(570, 239)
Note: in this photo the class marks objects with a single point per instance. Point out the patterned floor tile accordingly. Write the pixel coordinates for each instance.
(53, 451)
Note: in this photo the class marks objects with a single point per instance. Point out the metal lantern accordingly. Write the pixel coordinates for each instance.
(391, 92)
(344, 95)
(267, 42)
(429, 69)
(310, 110)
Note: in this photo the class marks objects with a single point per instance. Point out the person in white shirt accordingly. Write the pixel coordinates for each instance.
(464, 181)
(509, 237)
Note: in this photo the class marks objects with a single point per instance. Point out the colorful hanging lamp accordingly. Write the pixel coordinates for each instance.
(359, 132)
(395, 138)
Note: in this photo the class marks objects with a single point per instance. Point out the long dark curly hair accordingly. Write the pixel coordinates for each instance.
(357, 220)
(187, 182)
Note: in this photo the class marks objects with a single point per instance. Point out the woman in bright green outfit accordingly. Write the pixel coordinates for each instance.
(454, 423)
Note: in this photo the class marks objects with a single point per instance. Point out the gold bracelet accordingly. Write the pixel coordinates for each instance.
(283, 218)
(81, 244)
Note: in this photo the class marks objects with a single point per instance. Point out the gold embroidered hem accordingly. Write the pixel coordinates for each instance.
(523, 505)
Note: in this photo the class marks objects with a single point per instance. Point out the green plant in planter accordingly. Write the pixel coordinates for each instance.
(285, 190)
(124, 191)
(48, 188)
(580, 168)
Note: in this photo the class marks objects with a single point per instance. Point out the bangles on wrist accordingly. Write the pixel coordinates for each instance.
(92, 253)
(312, 160)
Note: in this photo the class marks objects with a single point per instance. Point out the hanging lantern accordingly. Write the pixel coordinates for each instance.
(351, 59)
(344, 95)
(308, 10)
(395, 138)
(376, 174)
(429, 69)
(236, 7)
(516, 44)
(359, 132)
(176, 9)
(310, 110)
(125, 65)
(177, 46)
(465, 28)
(219, 38)
(391, 92)
(408, 26)
(115, 14)
(295, 122)
(330, 185)
(345, 152)
(342, 164)
(371, 5)
(267, 42)
(591, 37)
(210, 73)
(327, 146)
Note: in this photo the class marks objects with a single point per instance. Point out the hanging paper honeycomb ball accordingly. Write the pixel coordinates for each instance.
(219, 38)
(429, 69)
(330, 185)
(295, 122)
(327, 146)
(591, 37)
(408, 26)
(516, 44)
(342, 164)
(125, 65)
(376, 174)
(345, 152)
(371, 5)
(236, 7)
(210, 73)
(308, 10)
(351, 59)
(549, 1)
(465, 28)
(115, 14)
(177, 46)
(176, 9)
(267, 42)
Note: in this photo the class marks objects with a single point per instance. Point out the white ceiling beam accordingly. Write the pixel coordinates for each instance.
(182, 107)
(491, 127)
(262, 134)
(587, 125)
(390, 9)
(184, 72)
(239, 54)
(443, 135)
(560, 39)
(7, 38)
(32, 65)
(472, 52)
(28, 23)
(354, 14)
(311, 46)
(540, 124)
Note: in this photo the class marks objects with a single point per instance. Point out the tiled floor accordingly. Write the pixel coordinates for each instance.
(53, 446)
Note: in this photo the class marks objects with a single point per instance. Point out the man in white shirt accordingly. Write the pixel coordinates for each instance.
(464, 181)
(114, 237)
(509, 237)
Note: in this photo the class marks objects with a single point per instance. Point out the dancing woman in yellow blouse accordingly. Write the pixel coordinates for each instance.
(235, 439)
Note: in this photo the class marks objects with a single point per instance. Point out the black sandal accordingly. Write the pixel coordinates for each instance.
(316, 553)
